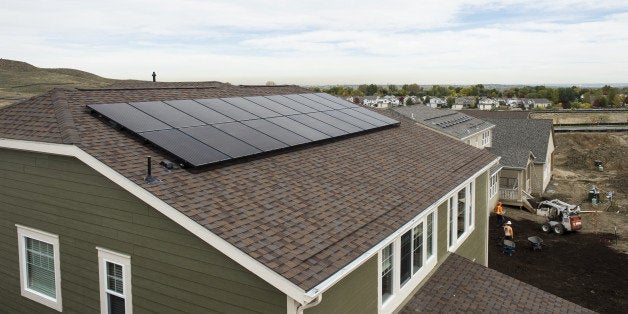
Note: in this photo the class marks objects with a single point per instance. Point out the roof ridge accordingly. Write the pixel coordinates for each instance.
(67, 128)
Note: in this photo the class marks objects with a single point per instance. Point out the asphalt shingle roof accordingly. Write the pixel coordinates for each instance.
(514, 139)
(451, 122)
(305, 213)
(497, 114)
(461, 286)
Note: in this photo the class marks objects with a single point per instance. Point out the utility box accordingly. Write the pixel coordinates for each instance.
(594, 194)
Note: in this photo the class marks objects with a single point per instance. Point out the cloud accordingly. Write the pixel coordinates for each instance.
(315, 42)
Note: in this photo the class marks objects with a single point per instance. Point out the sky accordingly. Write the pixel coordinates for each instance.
(325, 42)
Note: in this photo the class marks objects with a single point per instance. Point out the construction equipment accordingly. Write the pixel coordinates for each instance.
(561, 216)
(536, 242)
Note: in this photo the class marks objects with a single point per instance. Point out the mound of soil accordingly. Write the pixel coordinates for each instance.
(580, 150)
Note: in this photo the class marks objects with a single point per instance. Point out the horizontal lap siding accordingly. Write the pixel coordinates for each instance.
(474, 247)
(356, 293)
(172, 270)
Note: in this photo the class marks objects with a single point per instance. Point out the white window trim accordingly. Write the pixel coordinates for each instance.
(469, 221)
(104, 256)
(26, 232)
(486, 138)
(399, 293)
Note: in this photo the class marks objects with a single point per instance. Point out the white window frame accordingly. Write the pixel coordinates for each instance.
(104, 256)
(493, 185)
(486, 138)
(400, 293)
(453, 240)
(53, 239)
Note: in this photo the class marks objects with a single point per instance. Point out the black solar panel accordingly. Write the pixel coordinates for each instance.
(227, 109)
(299, 128)
(185, 147)
(292, 104)
(221, 141)
(201, 132)
(251, 136)
(308, 102)
(318, 125)
(130, 117)
(324, 101)
(199, 111)
(337, 100)
(272, 105)
(167, 114)
(252, 107)
(277, 132)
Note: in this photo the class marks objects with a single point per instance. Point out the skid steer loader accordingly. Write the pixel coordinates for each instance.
(561, 216)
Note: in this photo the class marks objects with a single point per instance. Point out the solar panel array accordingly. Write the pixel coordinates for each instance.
(201, 132)
(448, 123)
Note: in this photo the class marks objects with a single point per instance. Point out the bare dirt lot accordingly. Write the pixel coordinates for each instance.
(588, 267)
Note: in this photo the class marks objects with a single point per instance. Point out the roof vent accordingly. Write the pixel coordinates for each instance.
(149, 178)
(154, 77)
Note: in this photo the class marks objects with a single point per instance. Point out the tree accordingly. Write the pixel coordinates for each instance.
(409, 102)
(451, 101)
(413, 89)
(371, 90)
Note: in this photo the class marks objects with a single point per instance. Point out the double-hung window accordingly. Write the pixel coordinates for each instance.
(493, 186)
(460, 215)
(115, 282)
(406, 260)
(486, 138)
(40, 275)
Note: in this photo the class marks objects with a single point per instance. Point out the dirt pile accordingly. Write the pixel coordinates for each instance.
(580, 150)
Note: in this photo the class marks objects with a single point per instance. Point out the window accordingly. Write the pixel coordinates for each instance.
(486, 138)
(406, 260)
(114, 270)
(40, 278)
(460, 216)
(417, 244)
(387, 267)
(493, 186)
(430, 235)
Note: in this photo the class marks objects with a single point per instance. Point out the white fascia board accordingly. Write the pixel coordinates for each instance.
(339, 275)
(261, 270)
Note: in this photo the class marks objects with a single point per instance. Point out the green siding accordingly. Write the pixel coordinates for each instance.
(356, 293)
(474, 247)
(172, 270)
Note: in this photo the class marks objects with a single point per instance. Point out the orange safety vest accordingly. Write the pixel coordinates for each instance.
(508, 231)
(499, 210)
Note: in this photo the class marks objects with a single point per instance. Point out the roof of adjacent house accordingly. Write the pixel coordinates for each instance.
(451, 122)
(304, 213)
(514, 139)
(462, 286)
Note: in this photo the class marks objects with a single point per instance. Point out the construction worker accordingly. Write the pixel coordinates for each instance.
(508, 232)
(499, 210)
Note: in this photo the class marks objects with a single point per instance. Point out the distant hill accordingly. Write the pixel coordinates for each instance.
(20, 80)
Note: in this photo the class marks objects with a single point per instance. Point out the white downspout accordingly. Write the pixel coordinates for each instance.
(314, 303)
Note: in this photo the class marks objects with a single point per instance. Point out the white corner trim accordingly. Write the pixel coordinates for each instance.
(245, 260)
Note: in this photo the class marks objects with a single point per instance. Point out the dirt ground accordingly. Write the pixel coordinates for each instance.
(590, 266)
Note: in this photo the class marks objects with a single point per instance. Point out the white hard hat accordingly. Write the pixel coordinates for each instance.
(509, 223)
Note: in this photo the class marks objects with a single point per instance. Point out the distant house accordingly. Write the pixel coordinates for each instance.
(463, 103)
(437, 102)
(465, 128)
(486, 103)
(540, 103)
(380, 102)
(514, 102)
(527, 150)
